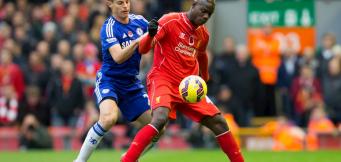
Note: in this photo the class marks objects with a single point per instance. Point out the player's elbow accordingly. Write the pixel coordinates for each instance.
(118, 59)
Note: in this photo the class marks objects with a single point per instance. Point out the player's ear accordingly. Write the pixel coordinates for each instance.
(109, 2)
(194, 2)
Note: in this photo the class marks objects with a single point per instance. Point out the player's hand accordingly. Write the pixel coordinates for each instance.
(152, 27)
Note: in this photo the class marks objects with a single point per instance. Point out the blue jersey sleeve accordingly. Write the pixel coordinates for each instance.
(108, 37)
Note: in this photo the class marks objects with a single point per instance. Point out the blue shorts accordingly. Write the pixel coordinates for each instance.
(131, 99)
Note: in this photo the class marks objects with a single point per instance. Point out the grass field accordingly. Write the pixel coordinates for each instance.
(174, 156)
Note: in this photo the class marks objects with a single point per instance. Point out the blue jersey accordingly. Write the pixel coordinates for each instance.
(113, 32)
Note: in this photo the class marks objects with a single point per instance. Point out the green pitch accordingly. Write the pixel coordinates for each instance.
(174, 156)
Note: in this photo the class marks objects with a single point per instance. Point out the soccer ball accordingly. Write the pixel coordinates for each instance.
(192, 89)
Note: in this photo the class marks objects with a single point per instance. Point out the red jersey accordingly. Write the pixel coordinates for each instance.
(178, 45)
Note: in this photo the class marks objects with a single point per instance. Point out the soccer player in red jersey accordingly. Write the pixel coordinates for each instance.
(180, 50)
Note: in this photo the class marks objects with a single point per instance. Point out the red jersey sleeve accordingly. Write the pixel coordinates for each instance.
(165, 24)
(147, 42)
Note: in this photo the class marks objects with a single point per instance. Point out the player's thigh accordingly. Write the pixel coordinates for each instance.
(198, 111)
(106, 97)
(162, 95)
(135, 104)
(143, 119)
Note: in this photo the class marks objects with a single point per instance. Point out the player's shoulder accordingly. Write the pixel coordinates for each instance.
(169, 17)
(134, 17)
(204, 31)
(109, 21)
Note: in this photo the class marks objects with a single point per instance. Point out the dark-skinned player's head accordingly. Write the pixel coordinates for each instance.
(201, 11)
(119, 8)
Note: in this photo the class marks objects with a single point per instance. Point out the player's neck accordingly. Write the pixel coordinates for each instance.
(188, 15)
(121, 20)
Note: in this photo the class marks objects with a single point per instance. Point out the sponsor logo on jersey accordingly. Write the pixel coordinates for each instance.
(139, 31)
(111, 40)
(125, 44)
(186, 50)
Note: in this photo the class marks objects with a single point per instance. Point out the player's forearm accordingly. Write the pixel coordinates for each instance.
(146, 44)
(203, 66)
(125, 53)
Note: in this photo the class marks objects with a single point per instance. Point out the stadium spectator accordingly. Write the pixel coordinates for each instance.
(286, 135)
(64, 49)
(225, 60)
(265, 54)
(8, 105)
(43, 50)
(331, 85)
(34, 104)
(318, 123)
(221, 65)
(11, 74)
(65, 96)
(244, 80)
(306, 93)
(308, 58)
(78, 53)
(325, 54)
(36, 72)
(87, 69)
(33, 135)
(287, 71)
(50, 35)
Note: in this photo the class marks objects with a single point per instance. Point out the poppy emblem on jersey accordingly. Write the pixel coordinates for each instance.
(191, 40)
(105, 91)
(139, 31)
(182, 35)
(130, 34)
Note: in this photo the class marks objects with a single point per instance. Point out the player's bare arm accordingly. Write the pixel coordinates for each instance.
(120, 55)
(203, 65)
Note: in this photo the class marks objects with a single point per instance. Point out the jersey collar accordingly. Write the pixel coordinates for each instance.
(188, 22)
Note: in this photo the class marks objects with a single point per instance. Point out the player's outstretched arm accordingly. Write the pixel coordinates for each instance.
(120, 55)
(147, 42)
(203, 65)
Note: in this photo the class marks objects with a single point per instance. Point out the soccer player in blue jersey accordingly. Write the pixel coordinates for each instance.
(117, 87)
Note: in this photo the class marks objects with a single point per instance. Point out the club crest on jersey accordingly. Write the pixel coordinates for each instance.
(139, 31)
(130, 34)
(182, 35)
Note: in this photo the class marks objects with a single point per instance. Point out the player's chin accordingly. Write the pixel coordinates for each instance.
(124, 14)
(201, 22)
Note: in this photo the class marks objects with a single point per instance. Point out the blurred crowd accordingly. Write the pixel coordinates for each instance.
(50, 51)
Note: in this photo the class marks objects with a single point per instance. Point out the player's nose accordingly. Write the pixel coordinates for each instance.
(206, 16)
